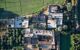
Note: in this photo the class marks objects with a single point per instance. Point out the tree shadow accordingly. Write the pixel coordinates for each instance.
(65, 42)
(78, 11)
(4, 14)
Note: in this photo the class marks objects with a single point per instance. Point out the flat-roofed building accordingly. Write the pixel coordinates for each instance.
(58, 17)
(39, 21)
(43, 39)
(19, 22)
(53, 8)
(52, 23)
(27, 32)
(54, 16)
(54, 20)
(25, 23)
(10, 23)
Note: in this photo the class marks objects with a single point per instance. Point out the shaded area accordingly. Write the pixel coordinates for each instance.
(7, 14)
(11, 39)
(78, 10)
(65, 42)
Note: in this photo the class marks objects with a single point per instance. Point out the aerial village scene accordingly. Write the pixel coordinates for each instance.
(39, 24)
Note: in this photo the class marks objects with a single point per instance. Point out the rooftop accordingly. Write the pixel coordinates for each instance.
(43, 32)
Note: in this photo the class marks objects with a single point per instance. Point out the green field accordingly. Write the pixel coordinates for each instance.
(24, 7)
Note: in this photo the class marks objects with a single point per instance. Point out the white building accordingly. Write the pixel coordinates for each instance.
(10, 23)
(58, 17)
(55, 20)
(55, 17)
(25, 23)
(27, 33)
(19, 22)
(53, 8)
(52, 23)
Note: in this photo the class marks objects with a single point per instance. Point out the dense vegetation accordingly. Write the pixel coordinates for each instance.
(12, 40)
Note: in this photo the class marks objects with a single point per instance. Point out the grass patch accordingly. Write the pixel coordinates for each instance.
(24, 7)
(72, 43)
(72, 40)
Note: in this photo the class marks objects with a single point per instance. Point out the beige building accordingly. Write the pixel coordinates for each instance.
(41, 39)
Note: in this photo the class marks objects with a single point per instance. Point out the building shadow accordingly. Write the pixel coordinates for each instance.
(4, 14)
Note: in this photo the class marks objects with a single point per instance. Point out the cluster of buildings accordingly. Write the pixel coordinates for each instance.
(39, 40)
(38, 29)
